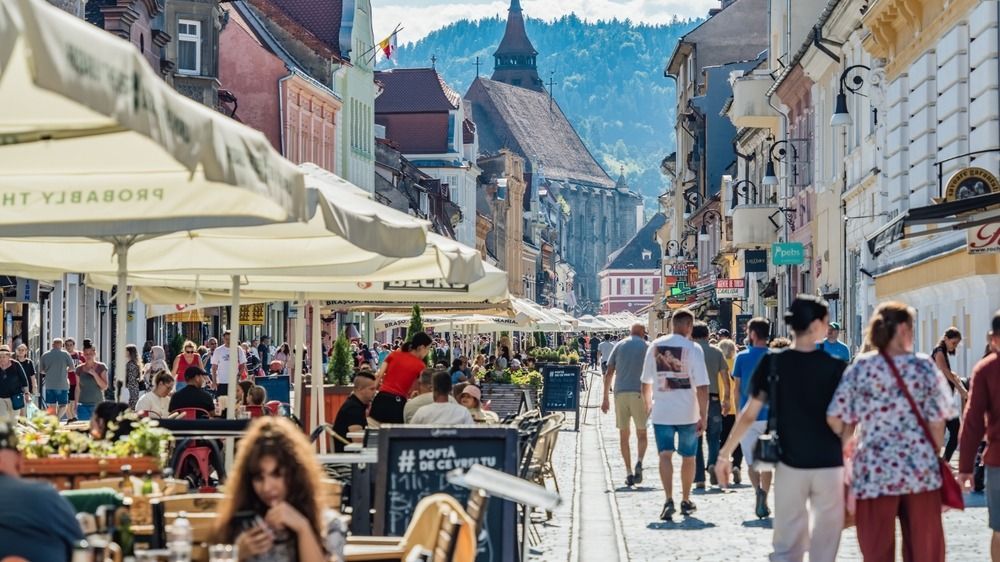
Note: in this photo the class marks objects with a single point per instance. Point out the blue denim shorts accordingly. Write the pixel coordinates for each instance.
(60, 397)
(687, 438)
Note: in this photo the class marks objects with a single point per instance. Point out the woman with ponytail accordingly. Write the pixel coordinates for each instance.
(947, 346)
(884, 401)
(809, 478)
(396, 377)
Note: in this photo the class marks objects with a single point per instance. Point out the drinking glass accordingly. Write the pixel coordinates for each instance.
(222, 553)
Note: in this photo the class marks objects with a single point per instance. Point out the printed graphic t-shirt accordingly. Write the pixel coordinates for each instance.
(675, 366)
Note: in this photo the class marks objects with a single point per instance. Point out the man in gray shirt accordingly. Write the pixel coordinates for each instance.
(633, 399)
(718, 369)
(55, 366)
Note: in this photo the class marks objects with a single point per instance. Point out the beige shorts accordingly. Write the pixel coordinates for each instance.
(630, 406)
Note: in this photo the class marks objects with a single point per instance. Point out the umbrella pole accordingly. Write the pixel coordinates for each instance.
(298, 352)
(121, 317)
(451, 339)
(234, 363)
(317, 368)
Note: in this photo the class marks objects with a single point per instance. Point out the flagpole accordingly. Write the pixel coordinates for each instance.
(397, 29)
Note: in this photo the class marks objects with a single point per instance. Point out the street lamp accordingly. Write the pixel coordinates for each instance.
(770, 177)
(745, 188)
(711, 216)
(841, 117)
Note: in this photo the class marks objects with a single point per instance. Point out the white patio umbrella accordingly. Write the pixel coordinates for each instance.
(94, 144)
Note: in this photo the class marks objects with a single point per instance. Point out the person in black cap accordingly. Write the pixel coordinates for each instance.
(193, 395)
(46, 531)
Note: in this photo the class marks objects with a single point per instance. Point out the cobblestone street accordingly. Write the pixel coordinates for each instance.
(602, 520)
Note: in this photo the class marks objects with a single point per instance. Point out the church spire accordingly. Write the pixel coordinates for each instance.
(514, 59)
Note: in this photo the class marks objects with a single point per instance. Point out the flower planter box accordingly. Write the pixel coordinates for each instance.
(65, 473)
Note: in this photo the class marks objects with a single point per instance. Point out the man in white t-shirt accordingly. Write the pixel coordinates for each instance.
(220, 365)
(604, 349)
(442, 411)
(675, 366)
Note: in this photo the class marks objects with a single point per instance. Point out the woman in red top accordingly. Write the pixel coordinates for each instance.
(396, 376)
(184, 360)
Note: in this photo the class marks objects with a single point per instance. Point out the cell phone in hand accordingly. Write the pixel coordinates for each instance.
(245, 520)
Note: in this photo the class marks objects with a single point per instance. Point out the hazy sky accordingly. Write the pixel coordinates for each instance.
(420, 17)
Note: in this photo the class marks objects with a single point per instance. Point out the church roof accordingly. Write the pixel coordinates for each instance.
(515, 39)
(630, 256)
(520, 119)
(414, 90)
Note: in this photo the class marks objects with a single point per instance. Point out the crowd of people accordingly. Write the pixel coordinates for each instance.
(860, 438)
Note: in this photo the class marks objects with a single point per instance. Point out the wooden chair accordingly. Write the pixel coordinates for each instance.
(439, 525)
(475, 506)
(333, 492)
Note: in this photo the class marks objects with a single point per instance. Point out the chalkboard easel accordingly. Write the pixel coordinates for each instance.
(413, 462)
(561, 390)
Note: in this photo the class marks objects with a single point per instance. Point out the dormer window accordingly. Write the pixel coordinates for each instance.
(647, 255)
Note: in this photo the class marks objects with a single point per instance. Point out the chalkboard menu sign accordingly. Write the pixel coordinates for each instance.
(561, 389)
(741, 327)
(414, 462)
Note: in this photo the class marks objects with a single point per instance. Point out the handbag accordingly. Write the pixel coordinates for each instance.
(767, 449)
(17, 400)
(951, 491)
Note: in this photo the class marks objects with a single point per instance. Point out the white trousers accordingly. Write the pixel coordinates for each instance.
(798, 495)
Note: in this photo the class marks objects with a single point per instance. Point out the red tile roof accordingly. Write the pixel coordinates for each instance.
(414, 90)
(321, 18)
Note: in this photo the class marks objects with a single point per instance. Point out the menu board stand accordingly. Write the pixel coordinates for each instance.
(561, 390)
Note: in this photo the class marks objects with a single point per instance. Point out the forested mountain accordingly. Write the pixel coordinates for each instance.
(607, 76)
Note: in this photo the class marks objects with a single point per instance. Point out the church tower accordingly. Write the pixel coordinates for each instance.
(514, 59)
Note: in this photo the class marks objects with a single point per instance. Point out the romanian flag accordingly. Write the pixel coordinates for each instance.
(388, 45)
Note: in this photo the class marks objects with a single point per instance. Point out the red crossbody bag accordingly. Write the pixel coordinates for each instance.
(951, 491)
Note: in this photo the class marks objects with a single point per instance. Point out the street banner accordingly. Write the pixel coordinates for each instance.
(983, 239)
(788, 253)
(755, 261)
(730, 289)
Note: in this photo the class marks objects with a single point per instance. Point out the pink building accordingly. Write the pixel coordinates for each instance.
(269, 89)
(633, 275)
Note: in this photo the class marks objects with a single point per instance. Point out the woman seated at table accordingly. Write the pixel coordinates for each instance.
(472, 398)
(272, 510)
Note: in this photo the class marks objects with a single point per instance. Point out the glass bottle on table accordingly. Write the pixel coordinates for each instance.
(147, 484)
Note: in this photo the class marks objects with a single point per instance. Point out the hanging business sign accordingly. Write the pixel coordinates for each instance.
(971, 182)
(730, 289)
(252, 313)
(755, 261)
(984, 239)
(26, 290)
(788, 253)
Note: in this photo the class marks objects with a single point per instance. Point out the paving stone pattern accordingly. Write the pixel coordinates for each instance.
(724, 527)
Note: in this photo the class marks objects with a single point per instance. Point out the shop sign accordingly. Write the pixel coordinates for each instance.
(788, 253)
(755, 261)
(252, 313)
(971, 182)
(27, 290)
(741, 327)
(730, 289)
(984, 239)
(676, 269)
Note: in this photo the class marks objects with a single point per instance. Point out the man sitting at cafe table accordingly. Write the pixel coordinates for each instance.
(443, 411)
(425, 396)
(36, 523)
(193, 395)
(353, 414)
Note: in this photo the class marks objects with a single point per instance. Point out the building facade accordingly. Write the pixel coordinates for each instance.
(633, 273)
(428, 122)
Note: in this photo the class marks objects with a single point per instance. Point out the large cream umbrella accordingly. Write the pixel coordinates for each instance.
(94, 144)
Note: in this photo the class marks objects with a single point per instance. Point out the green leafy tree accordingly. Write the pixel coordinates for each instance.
(417, 326)
(341, 368)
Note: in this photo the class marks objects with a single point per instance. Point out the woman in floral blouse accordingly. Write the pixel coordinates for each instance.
(895, 470)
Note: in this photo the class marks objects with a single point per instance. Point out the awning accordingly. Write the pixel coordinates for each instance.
(953, 215)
